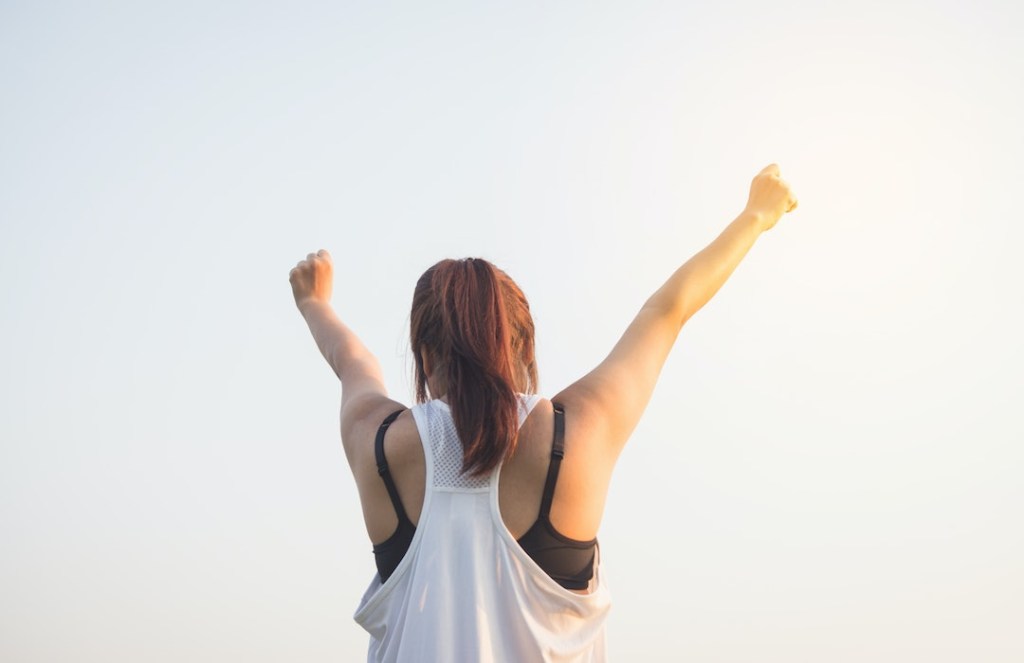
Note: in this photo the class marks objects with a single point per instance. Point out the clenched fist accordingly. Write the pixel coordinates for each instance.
(770, 197)
(312, 279)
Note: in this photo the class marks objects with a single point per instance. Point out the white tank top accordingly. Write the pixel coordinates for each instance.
(466, 591)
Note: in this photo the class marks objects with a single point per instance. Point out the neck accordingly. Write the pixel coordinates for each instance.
(436, 387)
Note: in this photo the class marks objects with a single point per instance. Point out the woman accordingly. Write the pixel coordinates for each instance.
(483, 501)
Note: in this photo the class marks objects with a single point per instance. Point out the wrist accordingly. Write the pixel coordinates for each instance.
(308, 305)
(756, 219)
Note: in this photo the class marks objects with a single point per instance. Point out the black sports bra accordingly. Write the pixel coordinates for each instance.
(569, 562)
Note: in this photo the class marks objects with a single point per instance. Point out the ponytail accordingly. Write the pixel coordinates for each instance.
(475, 324)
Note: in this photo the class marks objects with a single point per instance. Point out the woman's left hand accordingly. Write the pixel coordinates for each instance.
(312, 279)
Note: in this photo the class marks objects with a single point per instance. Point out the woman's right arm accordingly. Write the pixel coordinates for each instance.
(614, 395)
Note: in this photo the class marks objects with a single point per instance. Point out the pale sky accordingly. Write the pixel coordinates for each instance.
(830, 468)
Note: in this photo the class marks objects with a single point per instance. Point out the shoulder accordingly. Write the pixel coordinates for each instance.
(360, 420)
(537, 433)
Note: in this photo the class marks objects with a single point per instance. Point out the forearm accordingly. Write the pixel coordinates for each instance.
(339, 345)
(697, 281)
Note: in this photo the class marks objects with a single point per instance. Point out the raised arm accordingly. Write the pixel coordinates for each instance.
(613, 396)
(362, 384)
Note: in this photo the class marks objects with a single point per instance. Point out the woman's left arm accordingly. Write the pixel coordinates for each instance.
(362, 383)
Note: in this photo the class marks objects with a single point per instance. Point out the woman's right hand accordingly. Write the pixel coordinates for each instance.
(770, 197)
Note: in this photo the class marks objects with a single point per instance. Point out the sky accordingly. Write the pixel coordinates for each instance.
(829, 469)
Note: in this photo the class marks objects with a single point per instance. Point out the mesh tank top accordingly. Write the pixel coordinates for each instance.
(466, 590)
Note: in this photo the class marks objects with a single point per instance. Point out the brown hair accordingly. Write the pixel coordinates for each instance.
(474, 324)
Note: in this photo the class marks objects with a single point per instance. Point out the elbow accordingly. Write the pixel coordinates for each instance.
(670, 312)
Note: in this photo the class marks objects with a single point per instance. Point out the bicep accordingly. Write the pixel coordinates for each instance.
(362, 390)
(361, 377)
(614, 395)
(363, 398)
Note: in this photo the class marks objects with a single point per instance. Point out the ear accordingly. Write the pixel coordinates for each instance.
(425, 361)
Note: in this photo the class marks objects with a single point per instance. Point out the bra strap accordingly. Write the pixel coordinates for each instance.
(382, 466)
(557, 453)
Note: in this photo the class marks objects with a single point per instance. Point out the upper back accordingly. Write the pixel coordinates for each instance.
(579, 496)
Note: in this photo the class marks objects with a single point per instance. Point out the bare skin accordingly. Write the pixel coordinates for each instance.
(602, 408)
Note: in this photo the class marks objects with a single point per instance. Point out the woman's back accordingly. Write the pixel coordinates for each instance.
(465, 572)
(578, 499)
